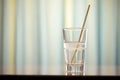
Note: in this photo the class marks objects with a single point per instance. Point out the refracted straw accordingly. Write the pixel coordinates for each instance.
(80, 34)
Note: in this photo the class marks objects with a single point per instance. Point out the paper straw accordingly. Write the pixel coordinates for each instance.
(80, 34)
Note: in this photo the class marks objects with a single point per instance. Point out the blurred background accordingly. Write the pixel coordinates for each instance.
(31, 40)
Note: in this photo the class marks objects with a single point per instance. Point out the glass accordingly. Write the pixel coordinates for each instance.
(74, 50)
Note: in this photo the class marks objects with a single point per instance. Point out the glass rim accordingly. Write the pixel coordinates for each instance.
(75, 28)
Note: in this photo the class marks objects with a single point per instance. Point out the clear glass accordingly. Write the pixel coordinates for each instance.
(74, 50)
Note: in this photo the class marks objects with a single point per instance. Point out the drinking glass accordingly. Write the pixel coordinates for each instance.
(75, 43)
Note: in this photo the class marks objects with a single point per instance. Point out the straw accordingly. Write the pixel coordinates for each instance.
(80, 34)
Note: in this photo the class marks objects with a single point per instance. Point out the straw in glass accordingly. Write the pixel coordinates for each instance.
(76, 49)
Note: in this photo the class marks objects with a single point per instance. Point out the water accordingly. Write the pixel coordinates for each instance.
(77, 66)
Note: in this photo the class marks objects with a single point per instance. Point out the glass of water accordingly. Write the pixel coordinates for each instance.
(75, 43)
